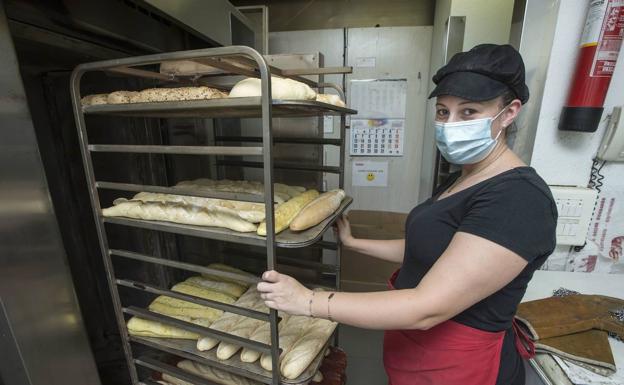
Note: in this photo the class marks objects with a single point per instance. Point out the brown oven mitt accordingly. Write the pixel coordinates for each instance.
(560, 316)
(589, 349)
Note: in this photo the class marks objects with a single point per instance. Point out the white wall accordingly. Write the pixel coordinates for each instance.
(400, 52)
(563, 157)
(487, 21)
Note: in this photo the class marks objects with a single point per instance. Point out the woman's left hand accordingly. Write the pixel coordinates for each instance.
(282, 292)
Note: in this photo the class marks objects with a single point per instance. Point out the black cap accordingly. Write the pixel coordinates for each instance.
(483, 73)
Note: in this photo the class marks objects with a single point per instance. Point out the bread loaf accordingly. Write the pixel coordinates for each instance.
(293, 329)
(306, 348)
(263, 335)
(317, 210)
(248, 211)
(175, 307)
(229, 269)
(92, 100)
(229, 288)
(120, 97)
(251, 300)
(330, 99)
(287, 211)
(218, 376)
(280, 89)
(147, 328)
(174, 94)
(178, 213)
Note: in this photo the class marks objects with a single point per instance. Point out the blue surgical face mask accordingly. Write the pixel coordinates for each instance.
(468, 141)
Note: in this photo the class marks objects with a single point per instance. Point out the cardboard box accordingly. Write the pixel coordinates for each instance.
(363, 273)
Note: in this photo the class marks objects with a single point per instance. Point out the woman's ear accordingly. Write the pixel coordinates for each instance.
(513, 109)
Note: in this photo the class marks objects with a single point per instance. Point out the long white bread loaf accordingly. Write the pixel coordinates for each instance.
(330, 99)
(248, 211)
(177, 213)
(175, 307)
(244, 329)
(95, 99)
(306, 348)
(317, 210)
(147, 328)
(215, 375)
(174, 94)
(292, 331)
(287, 211)
(228, 320)
(229, 269)
(237, 186)
(120, 97)
(202, 292)
(232, 289)
(280, 89)
(263, 335)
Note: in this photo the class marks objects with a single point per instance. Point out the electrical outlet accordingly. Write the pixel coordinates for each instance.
(576, 207)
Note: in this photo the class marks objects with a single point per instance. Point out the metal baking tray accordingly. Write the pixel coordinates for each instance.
(188, 350)
(285, 239)
(247, 107)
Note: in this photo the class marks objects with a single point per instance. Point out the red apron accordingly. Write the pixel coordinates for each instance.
(447, 354)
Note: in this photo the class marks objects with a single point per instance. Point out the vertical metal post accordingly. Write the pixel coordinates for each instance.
(343, 141)
(267, 144)
(99, 223)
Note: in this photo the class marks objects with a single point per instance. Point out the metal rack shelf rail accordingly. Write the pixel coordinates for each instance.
(238, 60)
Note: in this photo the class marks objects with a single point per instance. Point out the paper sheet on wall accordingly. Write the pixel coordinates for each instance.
(369, 173)
(378, 128)
(378, 98)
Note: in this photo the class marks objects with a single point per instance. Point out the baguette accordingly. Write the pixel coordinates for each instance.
(293, 330)
(317, 210)
(147, 328)
(175, 307)
(281, 88)
(248, 211)
(229, 269)
(218, 376)
(232, 289)
(306, 348)
(287, 211)
(177, 213)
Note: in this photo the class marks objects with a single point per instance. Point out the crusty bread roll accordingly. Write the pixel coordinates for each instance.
(330, 99)
(233, 289)
(236, 186)
(317, 210)
(148, 328)
(280, 89)
(177, 213)
(293, 329)
(92, 100)
(120, 97)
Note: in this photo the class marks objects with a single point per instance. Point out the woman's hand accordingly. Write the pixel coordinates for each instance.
(282, 292)
(343, 228)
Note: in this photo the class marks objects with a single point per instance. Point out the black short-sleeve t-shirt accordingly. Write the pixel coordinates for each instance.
(514, 209)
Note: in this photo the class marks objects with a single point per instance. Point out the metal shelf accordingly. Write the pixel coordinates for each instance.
(282, 166)
(235, 60)
(188, 350)
(289, 140)
(285, 239)
(249, 107)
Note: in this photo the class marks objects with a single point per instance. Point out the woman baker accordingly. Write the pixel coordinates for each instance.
(470, 250)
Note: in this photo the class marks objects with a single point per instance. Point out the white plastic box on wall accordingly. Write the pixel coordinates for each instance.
(575, 206)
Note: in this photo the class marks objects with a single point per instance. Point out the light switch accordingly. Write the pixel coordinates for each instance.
(575, 206)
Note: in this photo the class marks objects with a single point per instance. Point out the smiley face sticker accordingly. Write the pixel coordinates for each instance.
(370, 177)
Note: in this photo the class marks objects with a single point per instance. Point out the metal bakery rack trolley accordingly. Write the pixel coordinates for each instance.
(235, 60)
